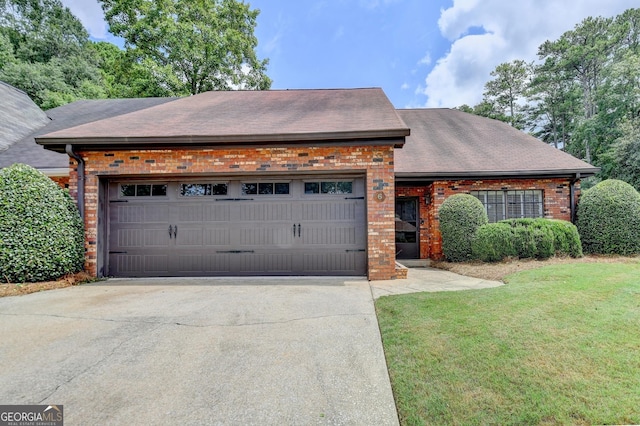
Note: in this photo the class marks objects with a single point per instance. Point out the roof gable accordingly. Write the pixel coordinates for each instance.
(246, 117)
(25, 150)
(452, 143)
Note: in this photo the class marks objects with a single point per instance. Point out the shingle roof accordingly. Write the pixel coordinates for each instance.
(19, 116)
(452, 143)
(80, 112)
(261, 117)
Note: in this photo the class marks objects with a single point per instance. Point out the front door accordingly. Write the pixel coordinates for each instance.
(407, 241)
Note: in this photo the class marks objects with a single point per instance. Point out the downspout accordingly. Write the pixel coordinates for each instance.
(80, 195)
(572, 195)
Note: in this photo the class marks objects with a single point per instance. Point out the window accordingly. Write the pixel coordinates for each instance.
(329, 187)
(265, 188)
(143, 190)
(501, 205)
(202, 189)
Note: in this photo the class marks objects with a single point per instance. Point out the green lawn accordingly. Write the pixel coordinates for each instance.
(556, 345)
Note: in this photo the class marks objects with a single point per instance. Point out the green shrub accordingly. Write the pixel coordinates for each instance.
(566, 239)
(41, 234)
(532, 239)
(460, 216)
(609, 218)
(494, 242)
(544, 242)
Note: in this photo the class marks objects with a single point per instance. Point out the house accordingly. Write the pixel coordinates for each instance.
(450, 152)
(22, 148)
(295, 182)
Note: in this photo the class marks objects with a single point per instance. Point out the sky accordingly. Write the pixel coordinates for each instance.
(422, 53)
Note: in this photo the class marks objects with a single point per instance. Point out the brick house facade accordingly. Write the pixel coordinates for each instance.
(376, 163)
(166, 189)
(556, 199)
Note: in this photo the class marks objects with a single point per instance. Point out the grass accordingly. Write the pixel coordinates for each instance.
(556, 345)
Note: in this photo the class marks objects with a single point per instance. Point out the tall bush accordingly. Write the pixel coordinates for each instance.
(609, 218)
(41, 234)
(460, 217)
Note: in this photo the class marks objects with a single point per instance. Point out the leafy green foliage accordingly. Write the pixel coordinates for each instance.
(207, 45)
(526, 239)
(41, 234)
(45, 53)
(460, 216)
(609, 218)
(506, 88)
(494, 242)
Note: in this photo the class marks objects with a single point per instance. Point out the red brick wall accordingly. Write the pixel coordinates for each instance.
(376, 162)
(62, 181)
(556, 194)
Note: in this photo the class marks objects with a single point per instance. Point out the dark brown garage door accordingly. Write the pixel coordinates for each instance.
(209, 227)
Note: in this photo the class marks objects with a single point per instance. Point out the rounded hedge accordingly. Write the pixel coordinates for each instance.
(609, 218)
(460, 217)
(494, 242)
(41, 234)
(526, 239)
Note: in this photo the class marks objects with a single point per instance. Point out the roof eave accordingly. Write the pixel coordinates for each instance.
(484, 174)
(58, 143)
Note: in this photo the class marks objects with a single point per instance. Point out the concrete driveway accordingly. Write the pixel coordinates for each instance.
(262, 351)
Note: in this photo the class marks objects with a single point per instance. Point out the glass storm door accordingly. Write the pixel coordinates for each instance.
(407, 241)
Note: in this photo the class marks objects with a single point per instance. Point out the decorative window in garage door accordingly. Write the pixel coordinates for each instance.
(328, 187)
(203, 189)
(143, 190)
(265, 188)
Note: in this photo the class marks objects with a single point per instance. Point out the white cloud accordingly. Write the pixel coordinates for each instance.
(90, 14)
(426, 60)
(512, 30)
(405, 86)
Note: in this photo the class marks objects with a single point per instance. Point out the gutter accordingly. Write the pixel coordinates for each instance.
(572, 195)
(80, 196)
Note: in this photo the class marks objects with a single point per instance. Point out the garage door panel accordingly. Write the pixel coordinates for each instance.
(323, 211)
(127, 264)
(216, 237)
(216, 213)
(329, 235)
(264, 263)
(190, 212)
(334, 263)
(281, 237)
(265, 211)
(128, 238)
(156, 237)
(189, 236)
(156, 264)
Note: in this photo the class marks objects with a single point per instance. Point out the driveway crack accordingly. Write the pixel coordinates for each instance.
(186, 324)
(88, 368)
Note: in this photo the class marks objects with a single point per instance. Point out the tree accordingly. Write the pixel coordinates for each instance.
(553, 104)
(625, 155)
(207, 44)
(46, 53)
(507, 88)
(583, 53)
(126, 76)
